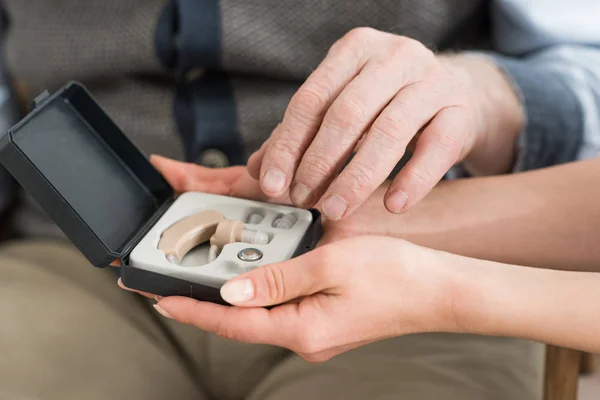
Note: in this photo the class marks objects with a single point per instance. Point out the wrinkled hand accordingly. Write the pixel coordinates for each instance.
(383, 91)
(341, 296)
(236, 182)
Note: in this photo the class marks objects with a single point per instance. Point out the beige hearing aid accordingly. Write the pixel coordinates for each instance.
(188, 233)
(231, 231)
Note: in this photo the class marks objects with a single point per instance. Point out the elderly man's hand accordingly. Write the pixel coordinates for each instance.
(380, 93)
(340, 296)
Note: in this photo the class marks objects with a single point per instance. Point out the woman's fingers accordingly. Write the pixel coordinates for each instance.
(145, 294)
(277, 326)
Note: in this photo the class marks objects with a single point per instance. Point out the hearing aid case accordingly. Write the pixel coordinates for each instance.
(104, 194)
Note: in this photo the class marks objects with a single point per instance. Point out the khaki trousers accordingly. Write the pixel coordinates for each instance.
(68, 332)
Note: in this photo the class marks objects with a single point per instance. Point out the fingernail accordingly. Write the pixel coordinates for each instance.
(301, 194)
(396, 201)
(274, 180)
(334, 207)
(162, 311)
(158, 298)
(237, 291)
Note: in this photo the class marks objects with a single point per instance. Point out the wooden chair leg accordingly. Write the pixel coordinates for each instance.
(588, 364)
(562, 373)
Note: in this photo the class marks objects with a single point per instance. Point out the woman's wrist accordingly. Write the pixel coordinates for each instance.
(482, 292)
(485, 297)
(440, 283)
(549, 306)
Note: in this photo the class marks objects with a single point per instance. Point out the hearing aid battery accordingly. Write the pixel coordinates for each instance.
(250, 255)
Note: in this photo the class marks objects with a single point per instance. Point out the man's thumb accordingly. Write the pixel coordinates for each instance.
(275, 283)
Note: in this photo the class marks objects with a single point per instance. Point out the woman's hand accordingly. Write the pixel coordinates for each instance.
(342, 295)
(377, 92)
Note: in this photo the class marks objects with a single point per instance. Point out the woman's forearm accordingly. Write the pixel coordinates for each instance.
(548, 306)
(547, 218)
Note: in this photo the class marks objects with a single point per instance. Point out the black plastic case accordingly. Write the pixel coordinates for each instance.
(97, 185)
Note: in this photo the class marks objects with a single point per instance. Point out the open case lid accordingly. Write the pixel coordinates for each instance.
(95, 184)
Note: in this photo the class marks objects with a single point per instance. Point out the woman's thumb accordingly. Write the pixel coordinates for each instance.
(276, 283)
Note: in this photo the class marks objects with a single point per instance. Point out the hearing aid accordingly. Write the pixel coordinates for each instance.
(286, 221)
(196, 229)
(232, 231)
(188, 233)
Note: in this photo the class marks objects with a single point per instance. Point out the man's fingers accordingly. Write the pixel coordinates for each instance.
(383, 146)
(349, 116)
(251, 325)
(282, 282)
(437, 150)
(305, 113)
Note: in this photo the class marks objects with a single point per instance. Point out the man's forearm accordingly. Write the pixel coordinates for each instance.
(555, 307)
(548, 218)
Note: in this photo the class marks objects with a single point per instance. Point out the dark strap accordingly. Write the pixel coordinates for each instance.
(188, 37)
(205, 115)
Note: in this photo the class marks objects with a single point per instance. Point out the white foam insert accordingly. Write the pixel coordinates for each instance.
(194, 267)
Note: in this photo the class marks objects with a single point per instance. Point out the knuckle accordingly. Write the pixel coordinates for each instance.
(284, 149)
(187, 318)
(396, 49)
(309, 102)
(360, 33)
(448, 145)
(360, 176)
(390, 132)
(315, 166)
(422, 176)
(345, 114)
(355, 42)
(401, 48)
(275, 284)
(415, 47)
(225, 330)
